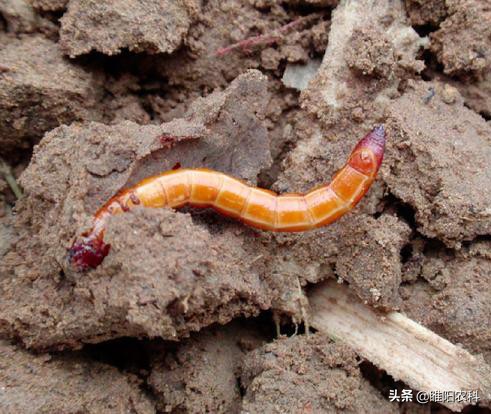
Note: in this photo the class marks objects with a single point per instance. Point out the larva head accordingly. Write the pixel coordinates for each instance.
(88, 252)
(369, 152)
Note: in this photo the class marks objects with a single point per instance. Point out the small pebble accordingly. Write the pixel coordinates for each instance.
(449, 94)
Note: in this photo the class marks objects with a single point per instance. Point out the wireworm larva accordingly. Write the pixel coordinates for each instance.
(259, 208)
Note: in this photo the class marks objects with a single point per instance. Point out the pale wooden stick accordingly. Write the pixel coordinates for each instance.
(405, 349)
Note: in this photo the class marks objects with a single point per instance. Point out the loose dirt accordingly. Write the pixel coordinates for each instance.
(95, 96)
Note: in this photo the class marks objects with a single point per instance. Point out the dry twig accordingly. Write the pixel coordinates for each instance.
(405, 349)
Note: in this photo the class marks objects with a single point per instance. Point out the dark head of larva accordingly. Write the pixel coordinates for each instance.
(88, 253)
(369, 152)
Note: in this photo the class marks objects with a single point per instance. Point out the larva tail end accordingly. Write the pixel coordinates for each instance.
(375, 140)
(379, 131)
(87, 253)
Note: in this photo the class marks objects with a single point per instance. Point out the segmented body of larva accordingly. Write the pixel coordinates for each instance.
(256, 207)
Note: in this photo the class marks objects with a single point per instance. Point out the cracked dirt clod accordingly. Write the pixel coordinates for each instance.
(307, 374)
(19, 16)
(201, 375)
(372, 267)
(32, 98)
(32, 384)
(422, 12)
(371, 53)
(152, 26)
(451, 159)
(452, 296)
(370, 261)
(463, 42)
(366, 26)
(476, 93)
(83, 165)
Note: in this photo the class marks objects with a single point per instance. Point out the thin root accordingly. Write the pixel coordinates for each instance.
(9, 177)
(276, 320)
(265, 39)
(301, 301)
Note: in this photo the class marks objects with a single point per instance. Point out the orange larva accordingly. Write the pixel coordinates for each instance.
(255, 207)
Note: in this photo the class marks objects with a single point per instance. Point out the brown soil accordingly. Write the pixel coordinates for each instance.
(95, 96)
(66, 384)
